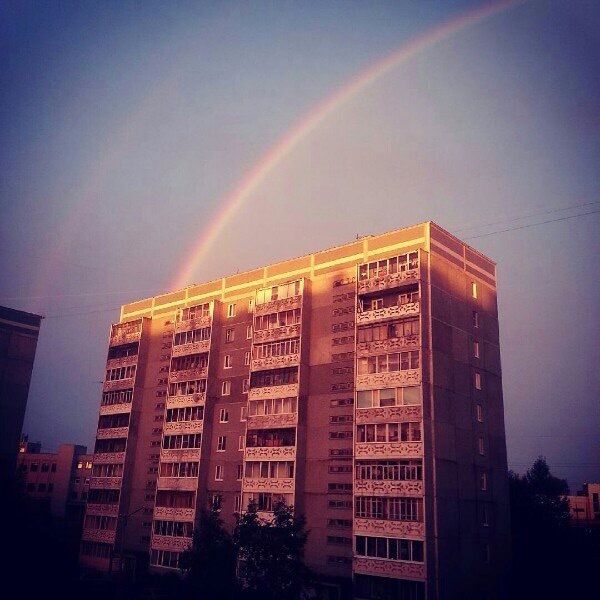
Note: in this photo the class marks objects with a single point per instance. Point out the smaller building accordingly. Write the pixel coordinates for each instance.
(59, 481)
(585, 506)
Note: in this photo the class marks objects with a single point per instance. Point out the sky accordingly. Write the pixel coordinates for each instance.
(127, 126)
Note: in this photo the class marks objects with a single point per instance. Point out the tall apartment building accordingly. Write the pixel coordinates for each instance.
(361, 384)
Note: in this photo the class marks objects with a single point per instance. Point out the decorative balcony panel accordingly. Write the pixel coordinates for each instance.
(289, 390)
(181, 455)
(265, 484)
(183, 427)
(272, 421)
(124, 361)
(278, 333)
(375, 381)
(389, 414)
(388, 528)
(121, 338)
(191, 348)
(270, 453)
(99, 535)
(388, 449)
(389, 568)
(112, 432)
(169, 513)
(109, 457)
(389, 281)
(107, 510)
(167, 542)
(105, 483)
(118, 384)
(196, 323)
(273, 362)
(188, 400)
(177, 483)
(115, 409)
(408, 342)
(188, 374)
(385, 487)
(278, 305)
(410, 309)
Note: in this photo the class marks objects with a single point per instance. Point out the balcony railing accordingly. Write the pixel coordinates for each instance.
(274, 391)
(198, 398)
(119, 338)
(99, 535)
(266, 484)
(278, 305)
(108, 510)
(389, 414)
(269, 452)
(273, 362)
(108, 457)
(180, 454)
(110, 483)
(278, 333)
(391, 528)
(167, 542)
(169, 513)
(115, 409)
(388, 281)
(124, 361)
(196, 323)
(373, 381)
(112, 432)
(183, 427)
(118, 384)
(388, 449)
(409, 342)
(191, 348)
(177, 483)
(387, 487)
(188, 374)
(389, 312)
(272, 421)
(389, 568)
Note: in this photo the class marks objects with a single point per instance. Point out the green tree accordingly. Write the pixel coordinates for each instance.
(271, 564)
(209, 564)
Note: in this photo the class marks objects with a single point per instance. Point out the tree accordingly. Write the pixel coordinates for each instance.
(209, 564)
(271, 553)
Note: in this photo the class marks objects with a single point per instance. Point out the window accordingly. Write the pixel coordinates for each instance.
(250, 304)
(474, 289)
(223, 416)
(227, 361)
(486, 554)
(247, 359)
(45, 467)
(483, 481)
(226, 388)
(243, 413)
(391, 548)
(479, 412)
(240, 472)
(230, 311)
(476, 349)
(241, 440)
(248, 332)
(80, 464)
(229, 335)
(475, 319)
(245, 386)
(53, 468)
(388, 397)
(477, 381)
(480, 446)
(485, 517)
(219, 473)
(238, 499)
(221, 443)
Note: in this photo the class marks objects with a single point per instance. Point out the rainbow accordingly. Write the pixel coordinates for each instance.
(231, 202)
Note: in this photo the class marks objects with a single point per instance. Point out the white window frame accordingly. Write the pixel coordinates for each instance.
(223, 415)
(245, 386)
(226, 388)
(241, 443)
(247, 358)
(480, 446)
(229, 335)
(231, 310)
(222, 443)
(476, 349)
(477, 380)
(483, 482)
(240, 472)
(227, 361)
(243, 413)
(248, 332)
(479, 412)
(474, 290)
(475, 319)
(218, 472)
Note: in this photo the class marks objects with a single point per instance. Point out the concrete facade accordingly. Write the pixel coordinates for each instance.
(362, 384)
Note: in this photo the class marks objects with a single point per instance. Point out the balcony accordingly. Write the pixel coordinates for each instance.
(191, 348)
(389, 528)
(106, 536)
(115, 409)
(277, 333)
(125, 336)
(105, 483)
(196, 323)
(167, 542)
(389, 281)
(272, 362)
(274, 391)
(409, 342)
(410, 309)
(187, 400)
(386, 487)
(388, 449)
(188, 374)
(109, 457)
(112, 432)
(389, 568)
(389, 414)
(265, 484)
(118, 384)
(373, 381)
(183, 427)
(108, 510)
(272, 421)
(125, 361)
(278, 305)
(270, 452)
(177, 483)
(169, 513)
(180, 454)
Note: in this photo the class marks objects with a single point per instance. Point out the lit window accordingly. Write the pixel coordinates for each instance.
(243, 413)
(227, 362)
(223, 416)
(480, 446)
(241, 440)
(477, 381)
(476, 349)
(80, 464)
(248, 332)
(222, 443)
(219, 473)
(479, 410)
(474, 289)
(229, 335)
(230, 310)
(247, 359)
(226, 388)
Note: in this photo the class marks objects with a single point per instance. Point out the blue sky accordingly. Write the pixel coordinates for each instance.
(125, 124)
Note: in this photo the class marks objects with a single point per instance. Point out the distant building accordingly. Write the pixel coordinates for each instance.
(585, 505)
(58, 481)
(19, 333)
(362, 384)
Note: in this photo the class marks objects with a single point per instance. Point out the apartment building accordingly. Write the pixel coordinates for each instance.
(362, 384)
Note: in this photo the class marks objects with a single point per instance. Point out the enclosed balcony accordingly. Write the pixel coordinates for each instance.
(171, 513)
(277, 323)
(270, 355)
(166, 542)
(98, 535)
(109, 457)
(177, 483)
(113, 426)
(286, 296)
(270, 444)
(109, 483)
(276, 383)
(108, 510)
(386, 308)
(378, 338)
(126, 333)
(389, 273)
(194, 317)
(269, 413)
